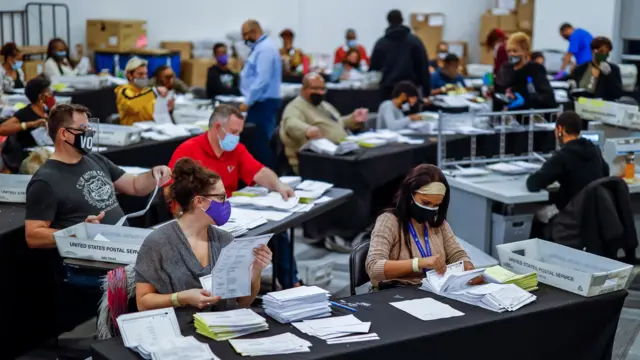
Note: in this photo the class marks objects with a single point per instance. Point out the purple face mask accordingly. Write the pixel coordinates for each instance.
(220, 212)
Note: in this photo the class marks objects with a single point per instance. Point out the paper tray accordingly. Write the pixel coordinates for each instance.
(77, 242)
(569, 269)
(13, 188)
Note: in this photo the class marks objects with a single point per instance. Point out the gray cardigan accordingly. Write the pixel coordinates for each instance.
(390, 117)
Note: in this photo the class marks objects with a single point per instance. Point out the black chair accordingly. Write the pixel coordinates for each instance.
(277, 147)
(357, 269)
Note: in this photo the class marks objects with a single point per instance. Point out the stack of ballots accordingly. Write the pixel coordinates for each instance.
(296, 304)
(225, 325)
(337, 329)
(499, 275)
(495, 297)
(286, 343)
(310, 190)
(155, 334)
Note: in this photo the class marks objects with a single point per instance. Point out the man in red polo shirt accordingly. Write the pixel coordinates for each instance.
(219, 150)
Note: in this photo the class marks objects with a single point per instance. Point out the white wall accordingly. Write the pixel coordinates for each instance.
(319, 25)
(596, 16)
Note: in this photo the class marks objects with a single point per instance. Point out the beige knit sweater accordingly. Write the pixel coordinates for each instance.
(386, 244)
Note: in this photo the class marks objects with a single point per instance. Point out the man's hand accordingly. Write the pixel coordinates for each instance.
(171, 103)
(415, 117)
(285, 190)
(162, 174)
(313, 132)
(162, 91)
(94, 219)
(361, 115)
(243, 107)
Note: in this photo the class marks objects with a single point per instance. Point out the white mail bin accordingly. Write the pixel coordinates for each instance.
(569, 269)
(509, 228)
(13, 188)
(121, 246)
(118, 135)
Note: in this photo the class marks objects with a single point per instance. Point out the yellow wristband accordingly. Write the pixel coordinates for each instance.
(24, 126)
(416, 269)
(174, 300)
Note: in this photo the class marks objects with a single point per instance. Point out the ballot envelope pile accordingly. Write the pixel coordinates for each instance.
(225, 325)
(296, 304)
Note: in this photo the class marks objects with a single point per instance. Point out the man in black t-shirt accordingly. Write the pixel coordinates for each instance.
(220, 80)
(75, 185)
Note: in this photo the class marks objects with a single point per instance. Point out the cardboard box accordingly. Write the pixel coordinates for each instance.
(116, 34)
(560, 266)
(194, 71)
(486, 55)
(32, 68)
(461, 49)
(524, 13)
(429, 28)
(184, 47)
(488, 22)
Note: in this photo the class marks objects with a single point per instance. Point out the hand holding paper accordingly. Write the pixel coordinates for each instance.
(198, 298)
(94, 219)
(262, 258)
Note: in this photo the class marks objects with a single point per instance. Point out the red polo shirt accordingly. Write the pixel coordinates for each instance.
(232, 166)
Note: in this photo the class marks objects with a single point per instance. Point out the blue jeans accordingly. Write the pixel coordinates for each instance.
(282, 246)
(263, 115)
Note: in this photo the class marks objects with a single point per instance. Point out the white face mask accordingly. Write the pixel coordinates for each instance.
(405, 107)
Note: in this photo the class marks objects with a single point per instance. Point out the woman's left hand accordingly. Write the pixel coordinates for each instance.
(475, 281)
(262, 258)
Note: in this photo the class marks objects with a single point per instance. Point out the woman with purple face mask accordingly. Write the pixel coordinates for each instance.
(220, 79)
(173, 259)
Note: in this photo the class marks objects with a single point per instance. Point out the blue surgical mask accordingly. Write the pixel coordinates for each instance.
(352, 43)
(229, 142)
(250, 43)
(17, 65)
(61, 54)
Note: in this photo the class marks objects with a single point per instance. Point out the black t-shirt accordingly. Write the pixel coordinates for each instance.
(66, 194)
(222, 82)
(13, 148)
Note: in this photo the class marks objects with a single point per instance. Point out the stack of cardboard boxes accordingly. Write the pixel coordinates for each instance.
(429, 27)
(517, 17)
(194, 70)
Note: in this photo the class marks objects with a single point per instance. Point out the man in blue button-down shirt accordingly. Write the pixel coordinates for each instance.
(260, 81)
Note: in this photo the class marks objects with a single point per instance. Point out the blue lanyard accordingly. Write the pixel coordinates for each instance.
(414, 235)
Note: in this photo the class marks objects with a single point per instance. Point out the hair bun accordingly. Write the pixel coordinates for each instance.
(185, 168)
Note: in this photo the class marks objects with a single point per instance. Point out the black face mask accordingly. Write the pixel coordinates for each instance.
(422, 214)
(514, 59)
(83, 142)
(316, 99)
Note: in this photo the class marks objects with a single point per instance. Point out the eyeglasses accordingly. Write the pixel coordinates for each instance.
(216, 197)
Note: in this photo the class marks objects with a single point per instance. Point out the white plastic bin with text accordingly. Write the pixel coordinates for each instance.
(80, 242)
(13, 188)
(569, 269)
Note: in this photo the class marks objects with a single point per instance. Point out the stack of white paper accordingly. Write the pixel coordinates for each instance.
(337, 329)
(225, 325)
(177, 349)
(300, 303)
(235, 229)
(454, 279)
(311, 189)
(286, 343)
(494, 297)
(248, 218)
(427, 309)
(273, 200)
(155, 334)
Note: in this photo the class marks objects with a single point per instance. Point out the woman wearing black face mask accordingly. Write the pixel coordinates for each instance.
(523, 81)
(349, 69)
(413, 237)
(600, 78)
